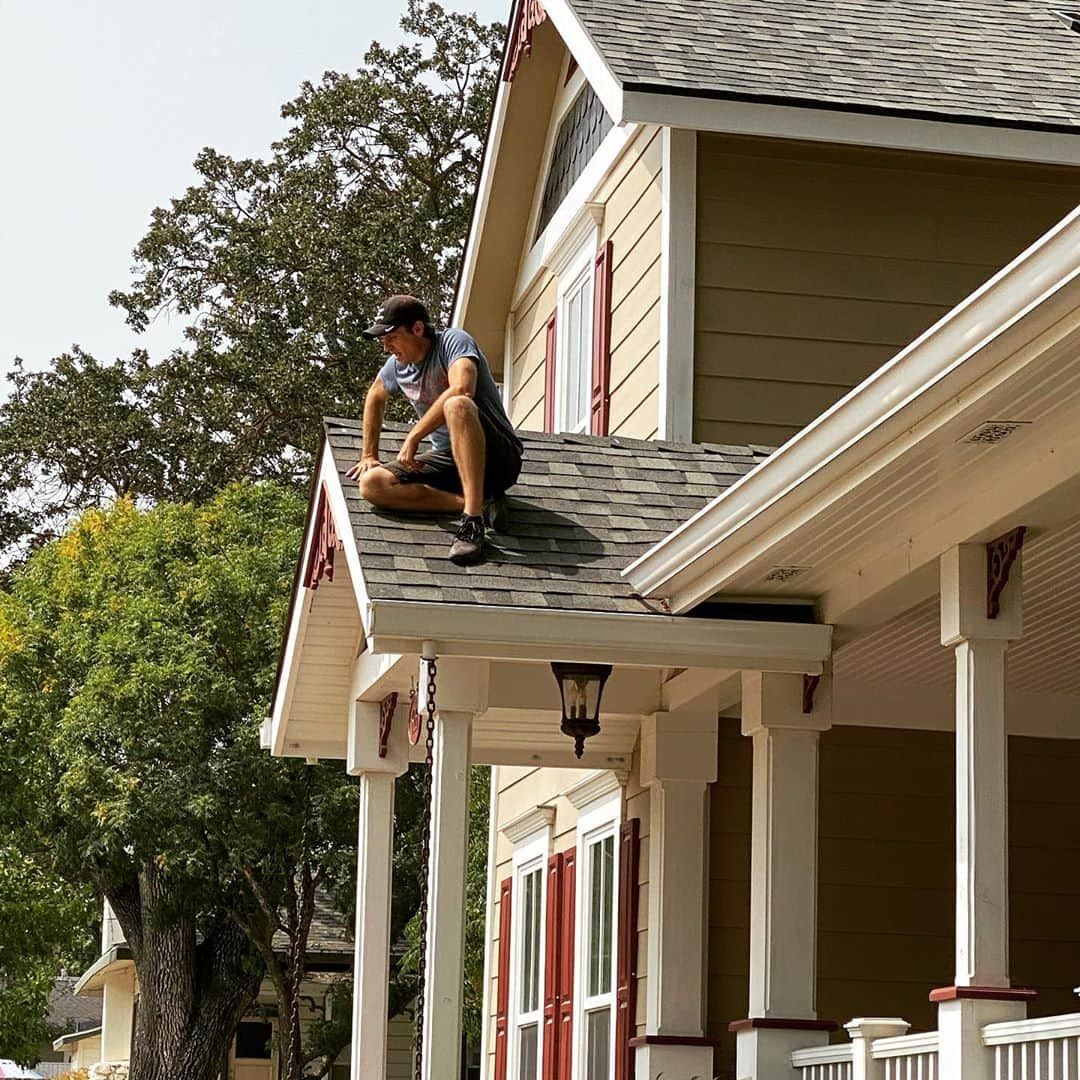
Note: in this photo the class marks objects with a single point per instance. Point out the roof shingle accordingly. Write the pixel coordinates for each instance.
(583, 509)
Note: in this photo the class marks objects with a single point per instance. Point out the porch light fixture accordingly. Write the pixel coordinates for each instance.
(581, 687)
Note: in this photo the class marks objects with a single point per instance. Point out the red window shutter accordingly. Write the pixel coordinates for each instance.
(566, 966)
(549, 375)
(552, 940)
(626, 964)
(601, 341)
(502, 1001)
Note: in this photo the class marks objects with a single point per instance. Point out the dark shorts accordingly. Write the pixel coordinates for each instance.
(502, 464)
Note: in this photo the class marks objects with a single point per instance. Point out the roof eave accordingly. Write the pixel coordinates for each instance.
(939, 371)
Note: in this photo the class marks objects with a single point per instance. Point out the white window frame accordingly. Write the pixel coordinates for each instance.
(577, 273)
(600, 820)
(531, 834)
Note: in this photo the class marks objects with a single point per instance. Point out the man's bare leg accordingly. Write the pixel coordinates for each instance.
(469, 448)
(384, 490)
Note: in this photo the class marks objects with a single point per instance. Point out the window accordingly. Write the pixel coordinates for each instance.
(253, 1041)
(573, 363)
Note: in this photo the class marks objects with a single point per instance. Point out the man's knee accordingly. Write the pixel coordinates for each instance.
(460, 408)
(375, 483)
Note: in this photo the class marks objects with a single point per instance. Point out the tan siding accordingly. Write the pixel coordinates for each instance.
(529, 345)
(817, 264)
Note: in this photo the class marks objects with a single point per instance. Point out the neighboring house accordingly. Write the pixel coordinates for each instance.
(112, 978)
(76, 1024)
(705, 230)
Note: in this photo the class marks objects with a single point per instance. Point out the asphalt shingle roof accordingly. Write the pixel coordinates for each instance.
(1003, 61)
(582, 510)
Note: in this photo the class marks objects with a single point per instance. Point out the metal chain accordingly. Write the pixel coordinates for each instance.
(421, 967)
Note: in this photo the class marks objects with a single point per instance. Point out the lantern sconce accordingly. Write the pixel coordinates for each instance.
(581, 687)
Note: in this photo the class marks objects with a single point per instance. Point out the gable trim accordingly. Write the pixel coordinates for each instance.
(589, 58)
(852, 125)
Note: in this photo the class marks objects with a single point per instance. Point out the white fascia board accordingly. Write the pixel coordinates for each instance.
(791, 121)
(483, 197)
(503, 633)
(589, 58)
(327, 477)
(938, 375)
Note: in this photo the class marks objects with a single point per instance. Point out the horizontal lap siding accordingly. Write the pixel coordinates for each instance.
(529, 344)
(815, 265)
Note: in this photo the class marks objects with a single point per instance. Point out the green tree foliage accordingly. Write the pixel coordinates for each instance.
(274, 265)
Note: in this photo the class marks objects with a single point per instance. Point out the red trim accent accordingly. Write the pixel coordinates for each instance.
(1000, 556)
(549, 374)
(502, 1007)
(601, 341)
(571, 67)
(552, 940)
(566, 967)
(386, 721)
(527, 17)
(780, 1024)
(981, 993)
(324, 542)
(626, 963)
(672, 1040)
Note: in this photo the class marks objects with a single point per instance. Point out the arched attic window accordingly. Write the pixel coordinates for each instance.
(580, 133)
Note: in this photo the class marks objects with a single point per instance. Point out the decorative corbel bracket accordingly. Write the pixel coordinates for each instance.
(809, 688)
(1000, 556)
(528, 16)
(386, 721)
(324, 543)
(416, 721)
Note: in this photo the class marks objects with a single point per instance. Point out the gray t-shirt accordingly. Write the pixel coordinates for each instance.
(423, 383)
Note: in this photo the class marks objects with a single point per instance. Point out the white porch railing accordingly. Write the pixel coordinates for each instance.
(823, 1063)
(908, 1057)
(1044, 1049)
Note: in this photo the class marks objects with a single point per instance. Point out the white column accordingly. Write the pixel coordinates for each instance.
(783, 874)
(446, 895)
(678, 762)
(981, 992)
(863, 1032)
(374, 875)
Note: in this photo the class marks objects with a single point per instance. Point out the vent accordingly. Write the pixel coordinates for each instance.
(783, 574)
(1071, 18)
(993, 431)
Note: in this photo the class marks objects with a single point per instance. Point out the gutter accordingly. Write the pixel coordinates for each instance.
(872, 424)
(497, 633)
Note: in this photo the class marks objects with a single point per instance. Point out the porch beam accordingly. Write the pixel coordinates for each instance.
(374, 880)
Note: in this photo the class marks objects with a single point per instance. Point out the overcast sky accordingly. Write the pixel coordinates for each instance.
(103, 107)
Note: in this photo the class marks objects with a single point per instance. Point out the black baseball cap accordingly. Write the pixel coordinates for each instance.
(395, 312)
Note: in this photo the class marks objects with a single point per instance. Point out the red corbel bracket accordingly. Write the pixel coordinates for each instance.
(1000, 556)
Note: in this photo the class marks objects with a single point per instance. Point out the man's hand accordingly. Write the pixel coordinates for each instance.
(362, 467)
(407, 454)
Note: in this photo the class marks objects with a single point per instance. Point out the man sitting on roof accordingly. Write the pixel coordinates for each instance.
(475, 452)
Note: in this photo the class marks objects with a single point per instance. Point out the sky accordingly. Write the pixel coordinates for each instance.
(103, 107)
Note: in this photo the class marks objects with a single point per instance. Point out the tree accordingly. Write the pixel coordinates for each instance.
(275, 265)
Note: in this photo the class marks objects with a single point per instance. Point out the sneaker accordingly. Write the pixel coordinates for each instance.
(468, 545)
(497, 514)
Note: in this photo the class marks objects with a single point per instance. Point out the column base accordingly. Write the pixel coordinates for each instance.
(673, 1056)
(764, 1045)
(963, 1011)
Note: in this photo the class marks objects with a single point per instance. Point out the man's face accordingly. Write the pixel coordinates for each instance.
(407, 343)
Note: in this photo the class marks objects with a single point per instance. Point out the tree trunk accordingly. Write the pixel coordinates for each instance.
(192, 993)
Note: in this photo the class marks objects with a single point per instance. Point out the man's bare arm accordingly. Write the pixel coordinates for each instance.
(374, 411)
(462, 377)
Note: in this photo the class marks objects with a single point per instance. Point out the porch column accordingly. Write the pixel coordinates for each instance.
(678, 762)
(981, 993)
(374, 872)
(446, 895)
(783, 875)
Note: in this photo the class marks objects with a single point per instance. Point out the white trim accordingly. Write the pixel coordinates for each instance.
(575, 275)
(1066, 1026)
(936, 377)
(508, 365)
(402, 626)
(489, 918)
(528, 823)
(483, 198)
(592, 788)
(584, 190)
(786, 121)
(678, 282)
(595, 824)
(583, 49)
(821, 1055)
(924, 1042)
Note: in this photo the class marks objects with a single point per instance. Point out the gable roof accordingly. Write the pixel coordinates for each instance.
(1010, 62)
(583, 509)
